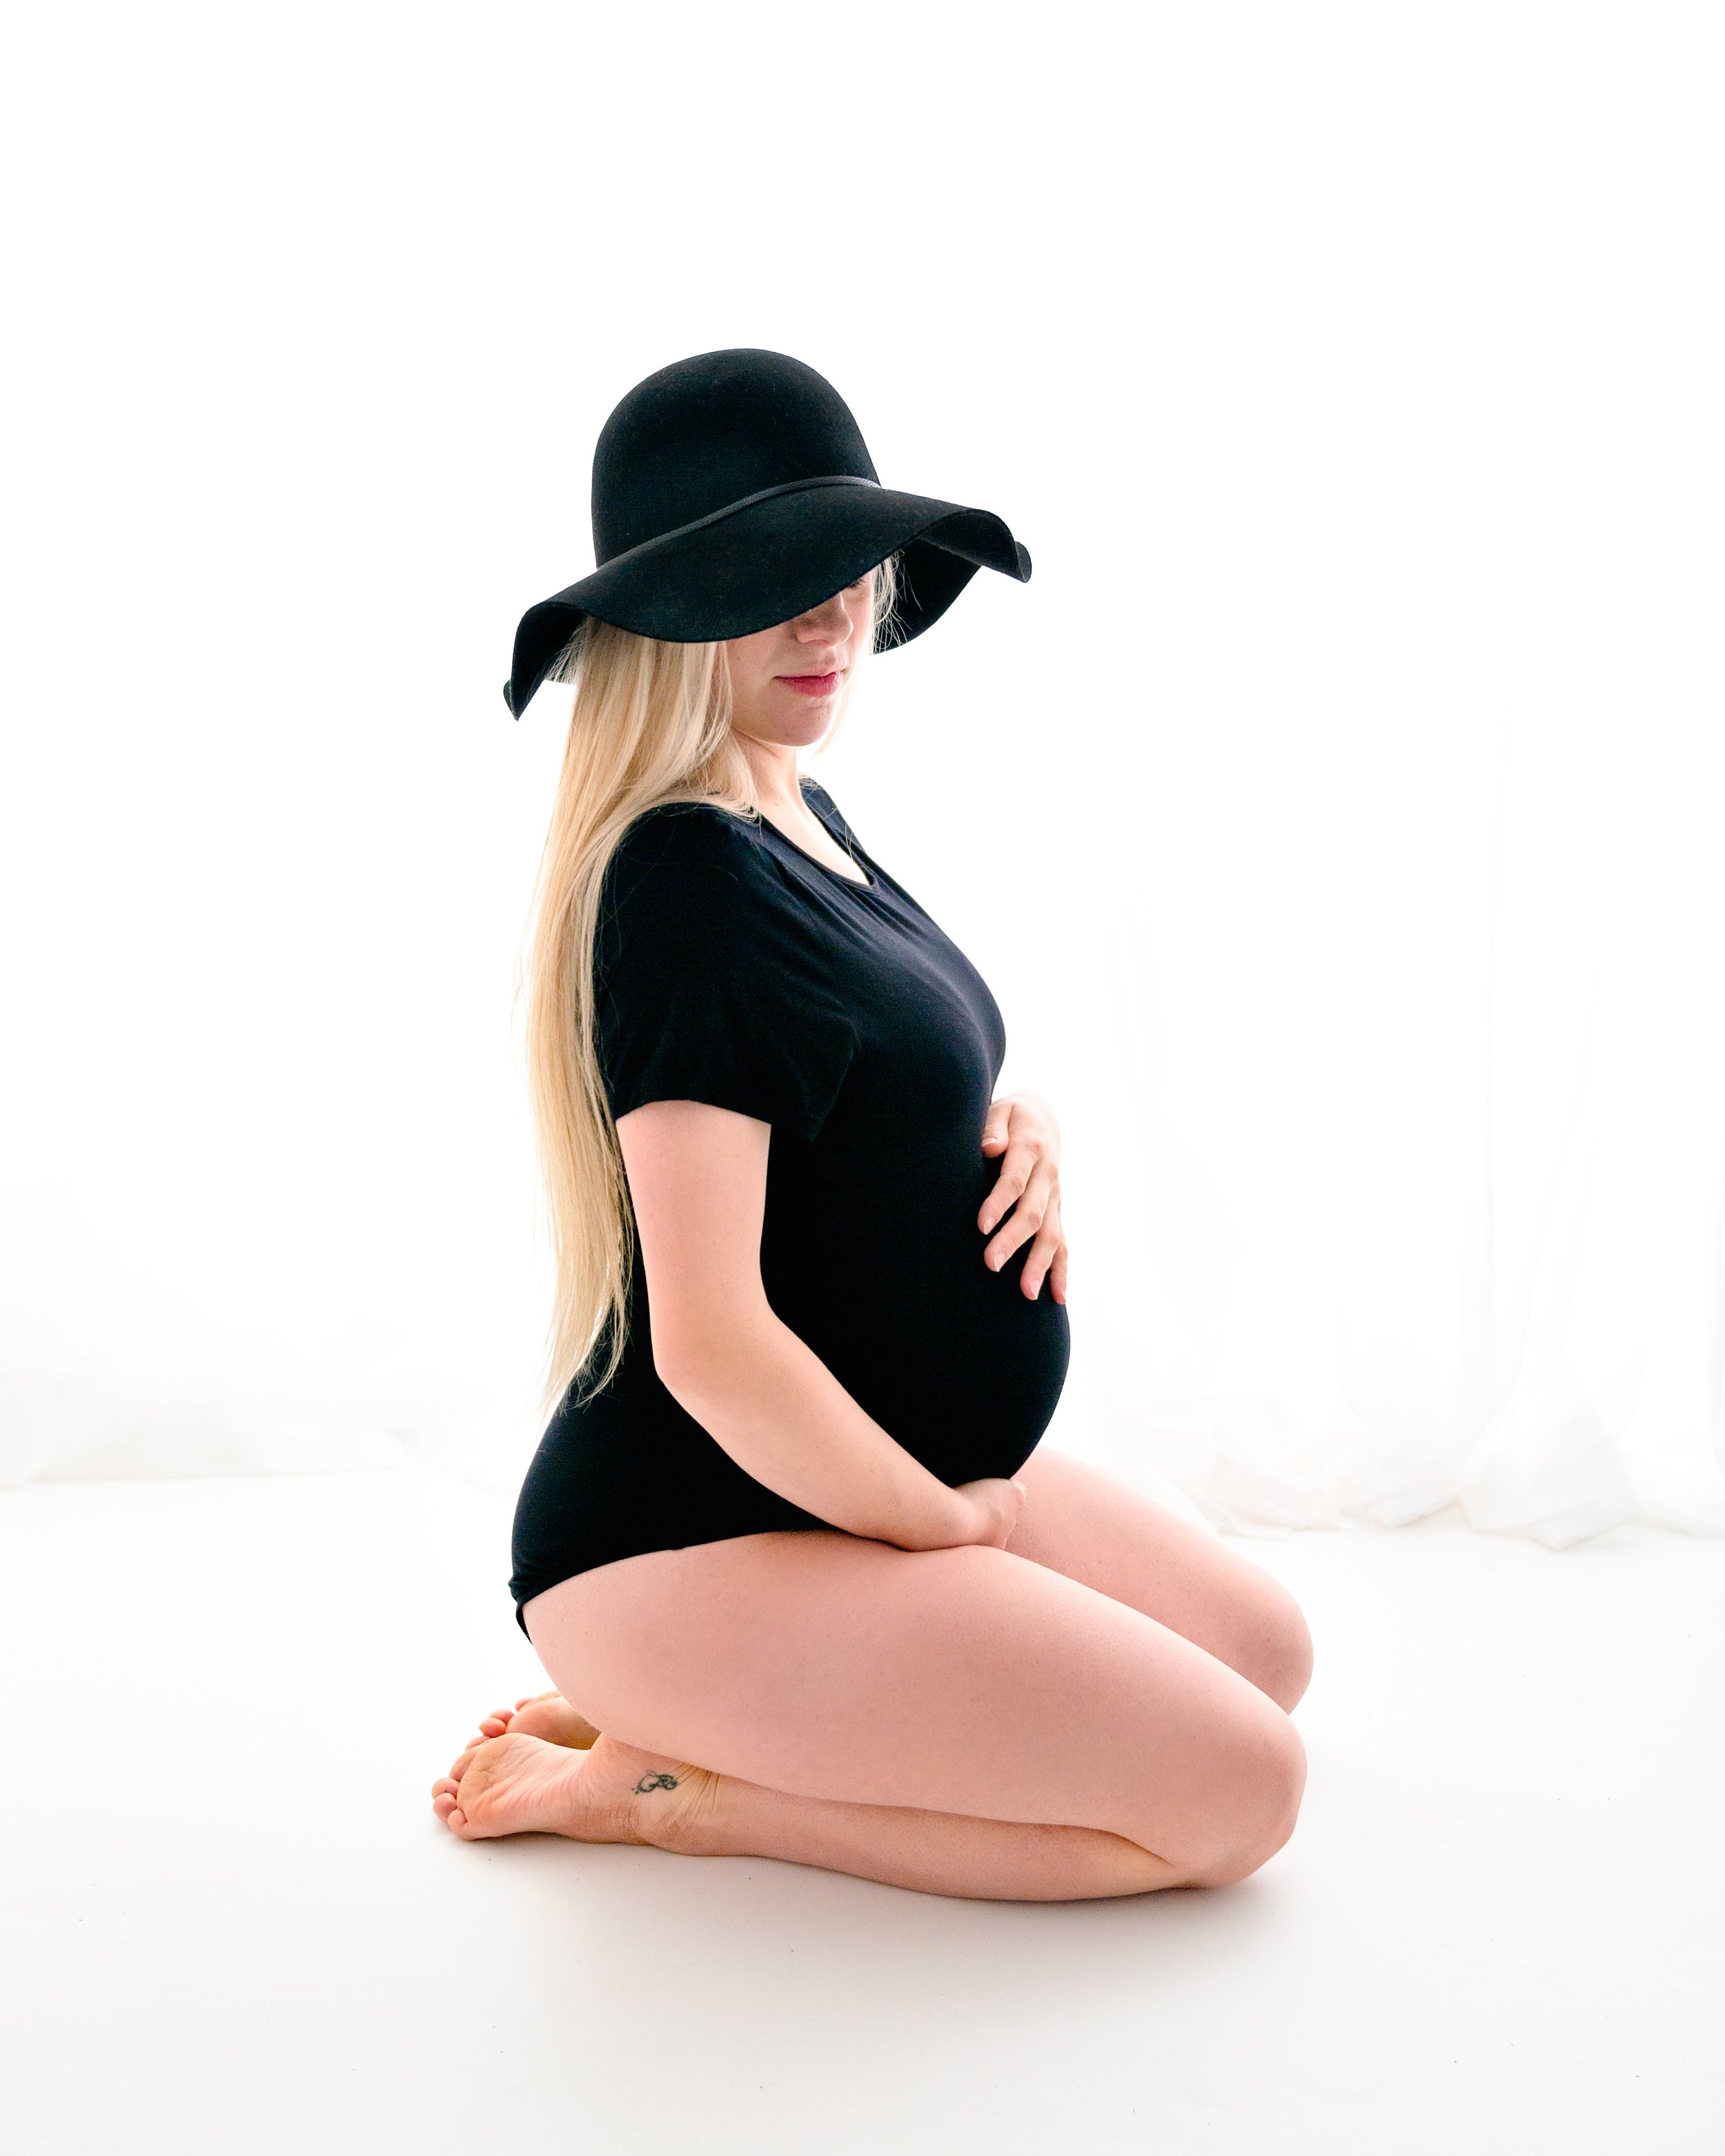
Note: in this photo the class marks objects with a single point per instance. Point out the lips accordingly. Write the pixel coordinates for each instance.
(811, 684)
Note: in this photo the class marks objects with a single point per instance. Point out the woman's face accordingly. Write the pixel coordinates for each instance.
(785, 681)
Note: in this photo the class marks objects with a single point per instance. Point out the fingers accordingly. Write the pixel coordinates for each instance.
(1040, 1191)
(1026, 1195)
(1046, 1258)
(1016, 1170)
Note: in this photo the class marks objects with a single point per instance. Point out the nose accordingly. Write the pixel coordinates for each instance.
(829, 622)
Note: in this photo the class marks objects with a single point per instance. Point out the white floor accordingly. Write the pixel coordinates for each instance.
(233, 1925)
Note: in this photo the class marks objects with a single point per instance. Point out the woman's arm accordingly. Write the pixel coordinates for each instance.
(697, 1176)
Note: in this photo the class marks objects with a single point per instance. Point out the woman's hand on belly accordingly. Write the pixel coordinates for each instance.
(1020, 1128)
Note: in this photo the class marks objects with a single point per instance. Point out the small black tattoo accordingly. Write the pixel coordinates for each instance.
(654, 1782)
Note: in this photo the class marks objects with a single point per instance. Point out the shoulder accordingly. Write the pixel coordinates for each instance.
(676, 848)
(685, 830)
(688, 885)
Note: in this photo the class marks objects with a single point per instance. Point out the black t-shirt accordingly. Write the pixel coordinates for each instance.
(733, 968)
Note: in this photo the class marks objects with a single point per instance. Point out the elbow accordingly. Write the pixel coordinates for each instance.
(676, 1364)
(699, 1358)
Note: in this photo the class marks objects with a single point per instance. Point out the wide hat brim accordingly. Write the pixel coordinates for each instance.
(765, 560)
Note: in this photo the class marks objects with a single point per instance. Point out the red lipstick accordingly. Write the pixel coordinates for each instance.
(811, 684)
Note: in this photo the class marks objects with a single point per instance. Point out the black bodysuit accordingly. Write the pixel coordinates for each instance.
(733, 967)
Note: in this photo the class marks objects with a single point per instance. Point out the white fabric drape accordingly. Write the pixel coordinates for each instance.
(1425, 1194)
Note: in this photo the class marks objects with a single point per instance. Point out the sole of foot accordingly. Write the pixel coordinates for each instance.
(605, 1792)
(548, 1715)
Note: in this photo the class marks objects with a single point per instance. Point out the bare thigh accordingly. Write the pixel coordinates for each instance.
(970, 1680)
(1085, 1523)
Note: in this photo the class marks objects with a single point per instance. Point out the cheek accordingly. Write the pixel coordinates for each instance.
(749, 659)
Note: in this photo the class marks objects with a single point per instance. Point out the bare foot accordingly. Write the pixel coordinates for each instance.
(546, 1714)
(608, 1792)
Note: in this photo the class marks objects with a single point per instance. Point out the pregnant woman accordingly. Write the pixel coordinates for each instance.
(806, 1582)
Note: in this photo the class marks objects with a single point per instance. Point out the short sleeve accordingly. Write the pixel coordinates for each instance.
(712, 981)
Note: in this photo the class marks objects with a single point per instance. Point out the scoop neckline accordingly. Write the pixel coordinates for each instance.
(838, 875)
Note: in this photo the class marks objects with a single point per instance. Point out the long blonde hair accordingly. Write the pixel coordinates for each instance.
(651, 723)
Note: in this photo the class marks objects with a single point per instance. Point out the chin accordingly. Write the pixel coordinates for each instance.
(798, 729)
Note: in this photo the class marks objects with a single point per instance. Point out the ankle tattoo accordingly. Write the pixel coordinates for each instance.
(654, 1782)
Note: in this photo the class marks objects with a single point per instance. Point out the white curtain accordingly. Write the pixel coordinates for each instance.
(1406, 1175)
(1336, 814)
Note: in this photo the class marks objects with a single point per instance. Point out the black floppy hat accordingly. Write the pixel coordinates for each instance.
(734, 491)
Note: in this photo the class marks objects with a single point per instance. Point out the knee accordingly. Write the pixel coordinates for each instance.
(1275, 1784)
(1279, 1661)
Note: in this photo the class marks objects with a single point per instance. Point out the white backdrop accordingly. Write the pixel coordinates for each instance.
(1336, 815)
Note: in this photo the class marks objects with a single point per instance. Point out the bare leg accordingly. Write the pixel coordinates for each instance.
(934, 1852)
(1095, 1529)
(921, 1700)
(611, 1792)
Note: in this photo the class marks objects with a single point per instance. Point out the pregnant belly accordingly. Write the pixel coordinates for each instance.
(955, 1363)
